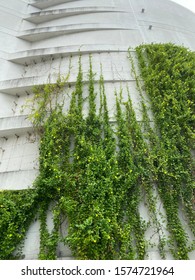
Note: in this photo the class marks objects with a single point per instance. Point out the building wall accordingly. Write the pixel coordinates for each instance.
(37, 39)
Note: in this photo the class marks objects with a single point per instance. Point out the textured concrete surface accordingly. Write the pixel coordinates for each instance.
(37, 39)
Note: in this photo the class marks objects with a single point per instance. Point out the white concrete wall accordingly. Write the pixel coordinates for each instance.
(36, 41)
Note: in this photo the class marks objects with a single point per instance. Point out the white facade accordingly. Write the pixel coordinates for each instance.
(37, 39)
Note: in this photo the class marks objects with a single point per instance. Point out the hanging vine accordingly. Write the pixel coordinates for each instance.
(168, 74)
(96, 174)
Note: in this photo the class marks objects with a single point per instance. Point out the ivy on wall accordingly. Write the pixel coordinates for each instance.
(168, 72)
(96, 174)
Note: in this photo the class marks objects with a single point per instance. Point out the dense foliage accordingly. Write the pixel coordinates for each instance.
(169, 79)
(97, 174)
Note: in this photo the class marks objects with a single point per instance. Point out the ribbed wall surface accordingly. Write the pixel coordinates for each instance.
(36, 40)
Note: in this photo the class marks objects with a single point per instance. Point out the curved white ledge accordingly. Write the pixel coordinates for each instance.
(44, 16)
(23, 86)
(38, 55)
(37, 34)
(14, 125)
(43, 4)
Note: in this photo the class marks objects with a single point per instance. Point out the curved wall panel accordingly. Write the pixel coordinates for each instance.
(37, 39)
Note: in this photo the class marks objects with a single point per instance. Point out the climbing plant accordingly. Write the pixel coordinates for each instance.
(97, 175)
(168, 74)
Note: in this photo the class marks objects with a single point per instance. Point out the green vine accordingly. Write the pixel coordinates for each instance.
(168, 74)
(97, 174)
(17, 211)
